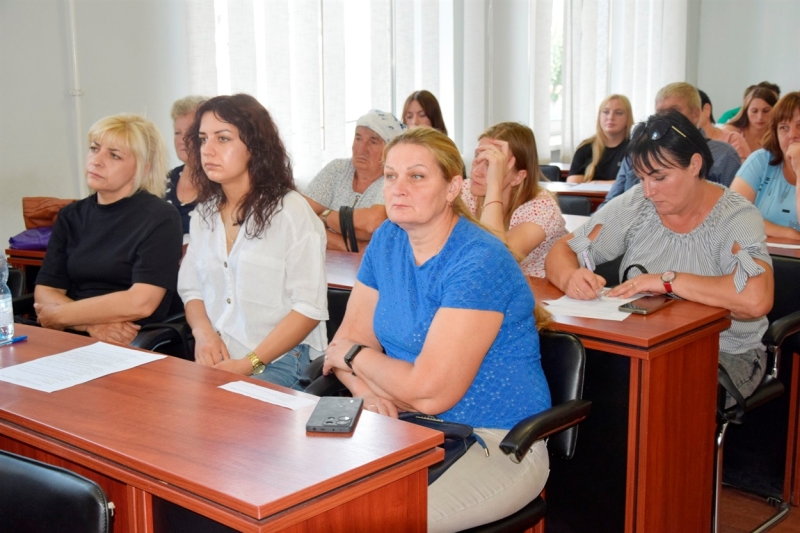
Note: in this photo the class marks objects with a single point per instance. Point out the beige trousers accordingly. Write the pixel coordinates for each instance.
(478, 489)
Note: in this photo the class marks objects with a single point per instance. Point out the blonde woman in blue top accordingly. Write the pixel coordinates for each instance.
(454, 313)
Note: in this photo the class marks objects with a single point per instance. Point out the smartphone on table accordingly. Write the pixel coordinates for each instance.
(335, 414)
(646, 304)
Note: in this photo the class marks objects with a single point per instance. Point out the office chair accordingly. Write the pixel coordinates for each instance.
(36, 497)
(16, 282)
(563, 362)
(551, 172)
(337, 305)
(575, 205)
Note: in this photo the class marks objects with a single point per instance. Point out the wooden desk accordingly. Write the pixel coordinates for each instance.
(644, 460)
(342, 267)
(568, 189)
(165, 430)
(785, 252)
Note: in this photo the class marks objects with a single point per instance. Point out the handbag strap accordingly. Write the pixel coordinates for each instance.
(727, 383)
(348, 228)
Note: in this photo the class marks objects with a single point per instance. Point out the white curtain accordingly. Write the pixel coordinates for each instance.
(585, 69)
(540, 14)
(630, 47)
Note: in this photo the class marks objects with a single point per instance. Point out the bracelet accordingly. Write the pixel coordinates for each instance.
(492, 202)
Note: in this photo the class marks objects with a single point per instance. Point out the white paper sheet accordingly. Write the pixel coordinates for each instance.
(268, 395)
(604, 308)
(591, 186)
(63, 370)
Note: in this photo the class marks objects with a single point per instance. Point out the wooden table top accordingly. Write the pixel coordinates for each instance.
(785, 252)
(342, 268)
(169, 421)
(636, 331)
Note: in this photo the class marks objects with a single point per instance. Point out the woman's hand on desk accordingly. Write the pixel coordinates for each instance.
(584, 284)
(121, 332)
(209, 349)
(238, 366)
(645, 283)
(379, 405)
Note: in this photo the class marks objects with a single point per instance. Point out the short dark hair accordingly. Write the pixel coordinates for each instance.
(673, 149)
(269, 168)
(430, 105)
(704, 99)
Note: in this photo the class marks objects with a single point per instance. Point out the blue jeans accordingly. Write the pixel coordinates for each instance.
(286, 370)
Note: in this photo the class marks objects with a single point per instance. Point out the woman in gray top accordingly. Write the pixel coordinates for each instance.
(695, 240)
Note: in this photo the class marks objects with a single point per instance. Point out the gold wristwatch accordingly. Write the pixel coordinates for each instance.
(258, 366)
(324, 217)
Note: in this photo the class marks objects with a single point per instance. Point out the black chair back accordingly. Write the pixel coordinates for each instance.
(563, 362)
(575, 205)
(337, 305)
(787, 287)
(16, 282)
(551, 172)
(37, 497)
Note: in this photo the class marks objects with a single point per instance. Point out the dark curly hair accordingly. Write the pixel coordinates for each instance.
(269, 168)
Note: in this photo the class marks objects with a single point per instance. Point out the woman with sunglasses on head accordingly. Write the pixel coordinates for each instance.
(253, 279)
(697, 241)
(599, 157)
(503, 193)
(769, 176)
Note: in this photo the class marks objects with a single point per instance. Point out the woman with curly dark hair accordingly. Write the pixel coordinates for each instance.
(253, 279)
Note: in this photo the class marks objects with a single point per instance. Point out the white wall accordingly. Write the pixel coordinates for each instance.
(743, 42)
(131, 57)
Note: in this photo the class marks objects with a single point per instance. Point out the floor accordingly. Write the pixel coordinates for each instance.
(741, 513)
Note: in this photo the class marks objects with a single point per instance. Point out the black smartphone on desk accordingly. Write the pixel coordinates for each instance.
(335, 414)
(646, 304)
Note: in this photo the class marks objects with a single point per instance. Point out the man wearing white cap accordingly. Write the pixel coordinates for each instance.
(355, 184)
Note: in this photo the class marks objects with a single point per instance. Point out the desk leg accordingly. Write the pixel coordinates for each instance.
(791, 478)
(671, 439)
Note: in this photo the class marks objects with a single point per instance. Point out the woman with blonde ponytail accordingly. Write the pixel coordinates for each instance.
(598, 157)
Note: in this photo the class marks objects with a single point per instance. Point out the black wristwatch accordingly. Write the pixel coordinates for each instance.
(351, 354)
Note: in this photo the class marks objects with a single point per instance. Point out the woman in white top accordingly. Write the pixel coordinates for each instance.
(253, 279)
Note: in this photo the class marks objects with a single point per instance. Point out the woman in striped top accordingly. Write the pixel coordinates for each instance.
(696, 240)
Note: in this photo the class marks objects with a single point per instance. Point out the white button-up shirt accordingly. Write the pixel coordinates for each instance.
(247, 293)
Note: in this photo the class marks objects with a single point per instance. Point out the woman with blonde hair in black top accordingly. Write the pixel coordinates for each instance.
(598, 157)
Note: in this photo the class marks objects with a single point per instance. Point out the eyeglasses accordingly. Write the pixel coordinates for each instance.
(655, 130)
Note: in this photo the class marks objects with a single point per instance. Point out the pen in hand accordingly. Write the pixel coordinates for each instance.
(590, 267)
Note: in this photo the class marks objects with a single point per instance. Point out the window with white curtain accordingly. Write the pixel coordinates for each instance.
(317, 65)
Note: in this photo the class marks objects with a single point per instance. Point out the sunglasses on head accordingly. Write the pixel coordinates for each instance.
(655, 130)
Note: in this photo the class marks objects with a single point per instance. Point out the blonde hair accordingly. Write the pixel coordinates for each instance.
(681, 89)
(186, 105)
(598, 140)
(144, 141)
(450, 163)
(522, 144)
(447, 158)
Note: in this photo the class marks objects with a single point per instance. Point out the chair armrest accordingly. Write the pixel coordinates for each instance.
(548, 422)
(326, 386)
(312, 372)
(782, 328)
(153, 336)
(23, 305)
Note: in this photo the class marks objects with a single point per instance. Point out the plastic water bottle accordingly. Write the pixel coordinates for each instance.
(6, 311)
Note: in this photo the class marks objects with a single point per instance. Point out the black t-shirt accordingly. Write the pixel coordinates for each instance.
(99, 249)
(172, 197)
(607, 168)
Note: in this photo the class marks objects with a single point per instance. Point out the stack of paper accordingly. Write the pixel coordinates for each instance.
(603, 308)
